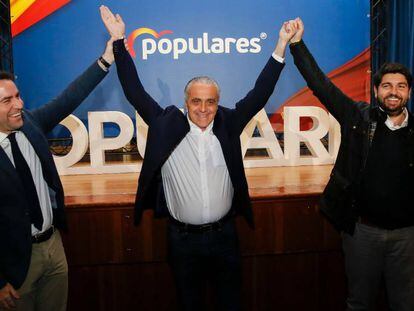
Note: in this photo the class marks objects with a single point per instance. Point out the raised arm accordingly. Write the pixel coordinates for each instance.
(134, 91)
(52, 113)
(337, 103)
(266, 82)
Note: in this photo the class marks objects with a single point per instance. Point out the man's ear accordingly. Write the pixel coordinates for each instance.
(375, 92)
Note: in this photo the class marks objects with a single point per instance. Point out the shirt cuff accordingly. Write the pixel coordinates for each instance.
(278, 58)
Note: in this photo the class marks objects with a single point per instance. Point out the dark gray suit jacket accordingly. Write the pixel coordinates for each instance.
(15, 226)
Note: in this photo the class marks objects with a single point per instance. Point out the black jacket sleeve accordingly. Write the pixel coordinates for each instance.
(337, 103)
(50, 114)
(257, 97)
(145, 105)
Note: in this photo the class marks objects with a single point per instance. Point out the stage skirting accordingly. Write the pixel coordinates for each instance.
(291, 261)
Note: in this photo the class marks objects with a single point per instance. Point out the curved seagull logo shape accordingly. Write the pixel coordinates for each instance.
(141, 31)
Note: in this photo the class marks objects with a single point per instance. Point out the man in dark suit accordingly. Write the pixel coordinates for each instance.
(33, 268)
(369, 192)
(193, 173)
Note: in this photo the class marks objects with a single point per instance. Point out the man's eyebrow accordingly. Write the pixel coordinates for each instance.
(5, 98)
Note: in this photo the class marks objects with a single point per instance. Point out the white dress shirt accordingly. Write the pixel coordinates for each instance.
(196, 180)
(35, 166)
(394, 127)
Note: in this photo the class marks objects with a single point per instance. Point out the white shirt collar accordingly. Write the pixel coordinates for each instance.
(3, 136)
(391, 124)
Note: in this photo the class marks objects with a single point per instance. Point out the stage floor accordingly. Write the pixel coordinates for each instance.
(264, 183)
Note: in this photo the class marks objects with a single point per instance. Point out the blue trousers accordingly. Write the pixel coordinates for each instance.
(199, 257)
(372, 255)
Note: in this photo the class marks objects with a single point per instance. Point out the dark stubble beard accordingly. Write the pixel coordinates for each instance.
(392, 112)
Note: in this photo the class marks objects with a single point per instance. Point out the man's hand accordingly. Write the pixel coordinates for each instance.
(286, 32)
(113, 23)
(298, 28)
(108, 54)
(285, 35)
(8, 295)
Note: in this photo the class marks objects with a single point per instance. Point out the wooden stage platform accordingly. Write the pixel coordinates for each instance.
(291, 261)
(264, 183)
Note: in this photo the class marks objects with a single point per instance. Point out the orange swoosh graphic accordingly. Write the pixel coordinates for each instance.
(141, 31)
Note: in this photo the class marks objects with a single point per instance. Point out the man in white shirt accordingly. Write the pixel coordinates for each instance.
(193, 172)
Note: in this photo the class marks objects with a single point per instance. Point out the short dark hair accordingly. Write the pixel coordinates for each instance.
(392, 68)
(4, 75)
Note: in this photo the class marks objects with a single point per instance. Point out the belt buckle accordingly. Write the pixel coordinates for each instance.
(37, 238)
(212, 226)
(207, 227)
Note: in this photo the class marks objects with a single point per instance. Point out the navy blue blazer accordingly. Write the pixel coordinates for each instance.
(167, 127)
(15, 225)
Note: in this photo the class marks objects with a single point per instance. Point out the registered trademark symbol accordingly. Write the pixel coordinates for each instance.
(263, 35)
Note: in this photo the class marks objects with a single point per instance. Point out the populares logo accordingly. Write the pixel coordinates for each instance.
(199, 45)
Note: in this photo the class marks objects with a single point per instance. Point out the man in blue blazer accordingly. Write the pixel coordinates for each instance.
(33, 268)
(193, 172)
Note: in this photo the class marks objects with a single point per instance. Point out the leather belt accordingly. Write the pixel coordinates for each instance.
(365, 221)
(44, 236)
(190, 228)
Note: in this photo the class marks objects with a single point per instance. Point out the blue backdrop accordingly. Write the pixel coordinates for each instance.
(400, 43)
(50, 54)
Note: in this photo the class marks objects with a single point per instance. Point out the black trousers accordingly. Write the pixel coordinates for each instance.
(374, 254)
(200, 257)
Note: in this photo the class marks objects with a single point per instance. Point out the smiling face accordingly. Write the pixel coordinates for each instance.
(202, 104)
(11, 106)
(393, 93)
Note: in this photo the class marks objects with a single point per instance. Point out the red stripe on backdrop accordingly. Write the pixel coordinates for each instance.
(353, 78)
(36, 12)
